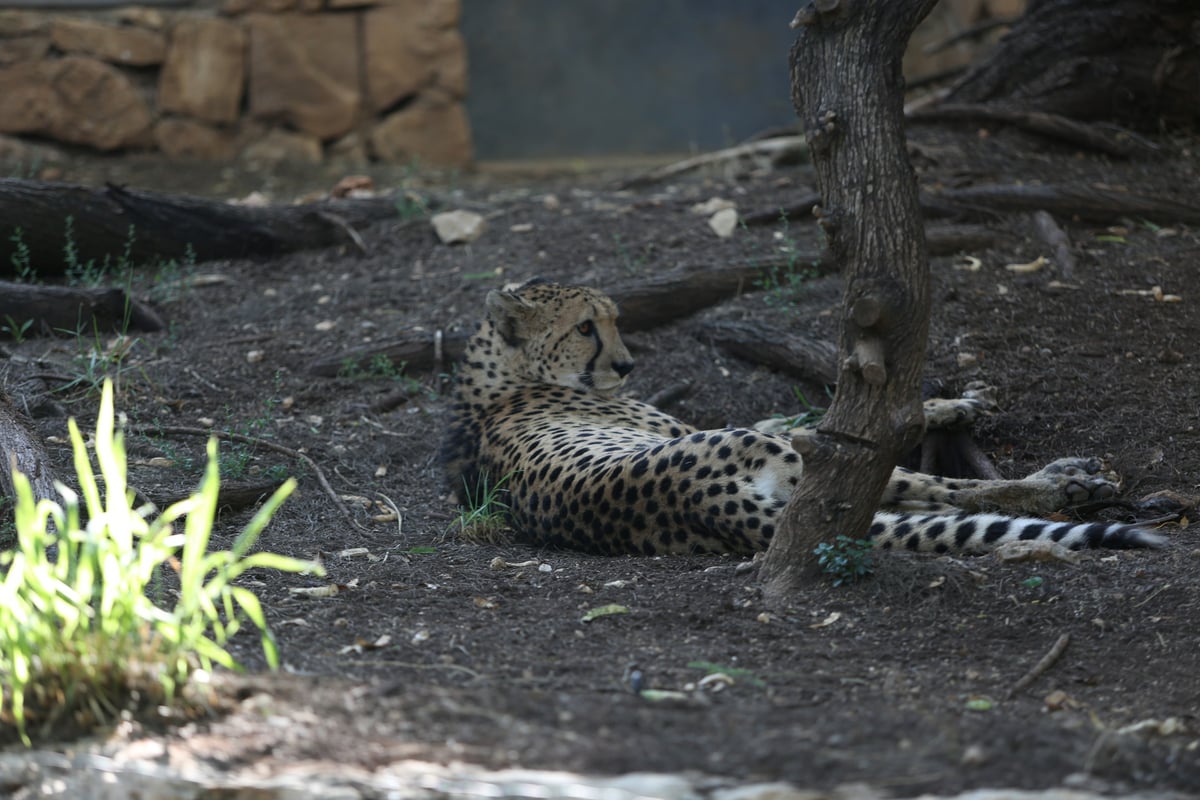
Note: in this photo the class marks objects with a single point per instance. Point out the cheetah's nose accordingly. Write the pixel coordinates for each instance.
(622, 368)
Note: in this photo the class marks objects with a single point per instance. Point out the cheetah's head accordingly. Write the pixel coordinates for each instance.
(562, 335)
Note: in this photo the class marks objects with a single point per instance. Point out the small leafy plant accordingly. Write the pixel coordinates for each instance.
(846, 560)
(784, 283)
(21, 258)
(80, 636)
(484, 518)
(15, 330)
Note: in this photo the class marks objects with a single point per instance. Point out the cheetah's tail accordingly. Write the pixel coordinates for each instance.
(974, 533)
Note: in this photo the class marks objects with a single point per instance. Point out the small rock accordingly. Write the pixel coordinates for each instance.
(724, 222)
(973, 756)
(255, 356)
(711, 206)
(1056, 700)
(459, 226)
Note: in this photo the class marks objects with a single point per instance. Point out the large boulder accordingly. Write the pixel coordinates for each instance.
(179, 137)
(74, 99)
(433, 129)
(304, 72)
(119, 44)
(205, 71)
(410, 46)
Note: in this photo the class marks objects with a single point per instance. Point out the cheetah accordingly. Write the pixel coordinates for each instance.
(537, 409)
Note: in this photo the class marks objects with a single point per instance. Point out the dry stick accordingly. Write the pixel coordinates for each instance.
(1056, 238)
(1040, 667)
(1112, 140)
(777, 149)
(185, 430)
(669, 395)
(973, 32)
(352, 234)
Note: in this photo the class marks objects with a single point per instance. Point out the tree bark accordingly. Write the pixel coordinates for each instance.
(1136, 62)
(848, 90)
(22, 449)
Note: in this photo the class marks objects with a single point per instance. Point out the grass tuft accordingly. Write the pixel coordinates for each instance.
(484, 517)
(81, 639)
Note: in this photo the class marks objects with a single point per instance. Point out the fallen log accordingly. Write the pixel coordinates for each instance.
(775, 151)
(117, 225)
(655, 301)
(1087, 202)
(800, 356)
(1111, 140)
(31, 310)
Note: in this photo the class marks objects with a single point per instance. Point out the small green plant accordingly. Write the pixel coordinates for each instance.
(235, 461)
(80, 637)
(632, 265)
(380, 366)
(846, 560)
(172, 276)
(98, 361)
(783, 283)
(410, 206)
(91, 273)
(811, 415)
(484, 517)
(21, 258)
(16, 330)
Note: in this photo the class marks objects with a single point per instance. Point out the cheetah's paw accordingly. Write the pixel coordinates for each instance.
(1078, 480)
(977, 401)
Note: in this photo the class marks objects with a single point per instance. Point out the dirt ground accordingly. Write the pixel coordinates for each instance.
(903, 682)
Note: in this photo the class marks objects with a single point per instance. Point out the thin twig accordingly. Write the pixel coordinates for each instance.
(670, 395)
(776, 150)
(1056, 238)
(340, 222)
(1048, 661)
(185, 430)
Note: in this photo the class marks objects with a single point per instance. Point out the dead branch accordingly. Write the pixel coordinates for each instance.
(670, 395)
(415, 350)
(795, 354)
(141, 227)
(230, 497)
(43, 310)
(1058, 242)
(652, 302)
(1048, 661)
(775, 151)
(971, 32)
(1094, 203)
(1109, 139)
(184, 430)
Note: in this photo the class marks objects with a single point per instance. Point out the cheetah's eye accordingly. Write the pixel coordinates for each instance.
(586, 327)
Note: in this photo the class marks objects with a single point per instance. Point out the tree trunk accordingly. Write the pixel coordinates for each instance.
(848, 90)
(1131, 61)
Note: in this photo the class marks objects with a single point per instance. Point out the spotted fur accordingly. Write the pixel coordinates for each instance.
(586, 469)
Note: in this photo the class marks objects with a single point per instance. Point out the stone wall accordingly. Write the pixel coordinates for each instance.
(302, 81)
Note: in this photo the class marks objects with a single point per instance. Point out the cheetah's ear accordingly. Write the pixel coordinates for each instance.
(508, 312)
